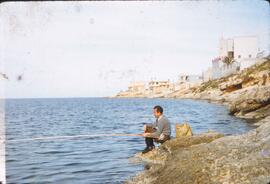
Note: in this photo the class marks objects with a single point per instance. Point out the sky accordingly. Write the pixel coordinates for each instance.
(95, 49)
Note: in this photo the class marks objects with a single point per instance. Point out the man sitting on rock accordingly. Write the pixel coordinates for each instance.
(160, 131)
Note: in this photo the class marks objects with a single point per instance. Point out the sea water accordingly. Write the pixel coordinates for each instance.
(95, 160)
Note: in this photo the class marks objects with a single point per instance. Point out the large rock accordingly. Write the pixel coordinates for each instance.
(159, 155)
(251, 100)
(231, 159)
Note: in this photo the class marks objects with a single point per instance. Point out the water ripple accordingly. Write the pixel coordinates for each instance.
(99, 159)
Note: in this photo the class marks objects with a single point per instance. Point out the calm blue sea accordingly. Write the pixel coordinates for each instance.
(97, 160)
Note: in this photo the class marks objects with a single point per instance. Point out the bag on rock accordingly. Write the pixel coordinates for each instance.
(183, 130)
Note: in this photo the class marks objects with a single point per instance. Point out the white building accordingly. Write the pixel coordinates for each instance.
(235, 54)
(207, 75)
(136, 87)
(246, 51)
(222, 69)
(187, 81)
(245, 47)
(242, 49)
(190, 78)
(158, 87)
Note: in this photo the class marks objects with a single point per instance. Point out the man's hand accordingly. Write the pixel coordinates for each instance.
(146, 134)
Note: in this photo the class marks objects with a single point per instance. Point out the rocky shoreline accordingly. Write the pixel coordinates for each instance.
(212, 157)
(247, 93)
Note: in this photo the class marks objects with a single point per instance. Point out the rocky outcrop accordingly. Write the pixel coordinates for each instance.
(212, 158)
(250, 99)
(246, 93)
(160, 155)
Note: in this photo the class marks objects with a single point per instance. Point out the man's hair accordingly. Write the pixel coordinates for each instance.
(158, 108)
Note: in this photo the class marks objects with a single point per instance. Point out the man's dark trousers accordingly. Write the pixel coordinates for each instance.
(150, 141)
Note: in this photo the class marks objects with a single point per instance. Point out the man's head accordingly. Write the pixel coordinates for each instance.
(157, 111)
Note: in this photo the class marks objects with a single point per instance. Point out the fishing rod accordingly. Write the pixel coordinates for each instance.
(70, 137)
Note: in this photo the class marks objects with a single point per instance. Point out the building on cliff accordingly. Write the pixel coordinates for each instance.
(207, 74)
(235, 54)
(187, 81)
(156, 87)
(135, 89)
(220, 68)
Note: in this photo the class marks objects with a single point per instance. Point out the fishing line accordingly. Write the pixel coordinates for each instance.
(70, 137)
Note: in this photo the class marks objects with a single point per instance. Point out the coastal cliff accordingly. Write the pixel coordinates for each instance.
(247, 93)
(212, 157)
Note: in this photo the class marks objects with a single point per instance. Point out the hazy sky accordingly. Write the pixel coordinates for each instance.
(81, 49)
